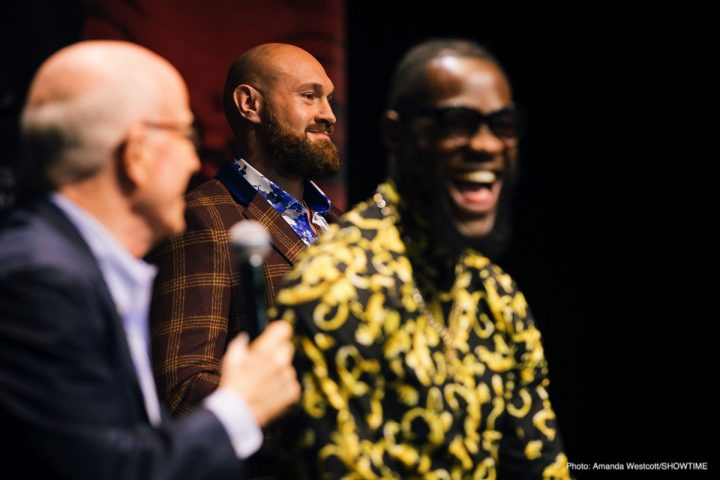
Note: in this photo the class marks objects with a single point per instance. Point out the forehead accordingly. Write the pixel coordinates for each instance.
(467, 81)
(299, 73)
(173, 101)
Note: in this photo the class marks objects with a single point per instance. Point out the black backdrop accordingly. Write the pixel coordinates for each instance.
(612, 241)
(613, 244)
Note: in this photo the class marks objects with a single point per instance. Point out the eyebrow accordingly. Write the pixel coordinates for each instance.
(316, 87)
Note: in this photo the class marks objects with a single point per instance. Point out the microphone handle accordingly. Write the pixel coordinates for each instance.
(255, 298)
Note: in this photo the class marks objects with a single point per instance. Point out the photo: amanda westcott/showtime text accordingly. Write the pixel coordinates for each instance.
(638, 466)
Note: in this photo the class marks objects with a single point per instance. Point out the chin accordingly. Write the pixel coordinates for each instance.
(178, 227)
(475, 228)
(169, 229)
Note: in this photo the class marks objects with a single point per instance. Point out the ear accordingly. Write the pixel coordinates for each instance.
(391, 131)
(135, 160)
(247, 101)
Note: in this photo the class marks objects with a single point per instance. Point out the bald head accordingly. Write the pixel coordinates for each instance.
(82, 101)
(262, 66)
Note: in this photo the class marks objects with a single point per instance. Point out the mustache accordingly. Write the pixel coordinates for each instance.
(321, 127)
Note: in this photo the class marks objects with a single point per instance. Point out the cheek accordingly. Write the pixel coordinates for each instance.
(293, 121)
(177, 183)
(179, 167)
(171, 181)
(510, 154)
(439, 159)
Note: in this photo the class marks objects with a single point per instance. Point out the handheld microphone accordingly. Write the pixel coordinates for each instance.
(250, 244)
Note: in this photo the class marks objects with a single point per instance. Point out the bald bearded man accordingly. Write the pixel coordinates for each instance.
(108, 130)
(277, 102)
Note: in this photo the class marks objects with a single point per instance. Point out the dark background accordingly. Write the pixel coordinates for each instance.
(612, 245)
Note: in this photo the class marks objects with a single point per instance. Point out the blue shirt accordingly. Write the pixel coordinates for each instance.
(292, 210)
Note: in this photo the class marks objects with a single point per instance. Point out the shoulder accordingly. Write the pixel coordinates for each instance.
(210, 194)
(506, 302)
(210, 212)
(211, 190)
(491, 273)
(334, 214)
(357, 254)
(29, 243)
(362, 229)
(48, 275)
(211, 205)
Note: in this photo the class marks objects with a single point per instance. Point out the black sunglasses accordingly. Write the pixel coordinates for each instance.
(460, 121)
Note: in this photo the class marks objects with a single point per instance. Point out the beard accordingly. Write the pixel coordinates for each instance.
(296, 155)
(493, 244)
(428, 208)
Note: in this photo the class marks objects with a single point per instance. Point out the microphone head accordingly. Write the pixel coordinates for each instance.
(250, 241)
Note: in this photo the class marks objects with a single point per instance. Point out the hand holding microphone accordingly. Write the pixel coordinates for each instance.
(261, 372)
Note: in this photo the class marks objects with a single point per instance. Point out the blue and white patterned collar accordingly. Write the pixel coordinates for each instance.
(292, 210)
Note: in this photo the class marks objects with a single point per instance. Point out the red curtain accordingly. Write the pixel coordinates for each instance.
(202, 38)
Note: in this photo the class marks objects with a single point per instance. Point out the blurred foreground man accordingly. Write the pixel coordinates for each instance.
(109, 134)
(417, 355)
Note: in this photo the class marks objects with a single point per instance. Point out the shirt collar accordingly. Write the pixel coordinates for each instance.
(243, 181)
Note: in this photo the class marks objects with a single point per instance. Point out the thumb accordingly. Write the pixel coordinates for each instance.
(237, 348)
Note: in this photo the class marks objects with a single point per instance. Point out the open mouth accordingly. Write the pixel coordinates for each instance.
(476, 191)
(475, 177)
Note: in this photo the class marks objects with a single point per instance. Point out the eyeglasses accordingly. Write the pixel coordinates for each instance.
(463, 122)
(190, 132)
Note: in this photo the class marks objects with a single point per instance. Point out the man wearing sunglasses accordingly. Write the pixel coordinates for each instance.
(418, 356)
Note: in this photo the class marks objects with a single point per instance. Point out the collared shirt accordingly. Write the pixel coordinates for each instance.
(292, 210)
(130, 281)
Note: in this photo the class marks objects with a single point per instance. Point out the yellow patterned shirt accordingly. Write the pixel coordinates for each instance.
(391, 389)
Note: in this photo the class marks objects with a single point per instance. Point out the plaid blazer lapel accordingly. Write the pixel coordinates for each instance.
(284, 238)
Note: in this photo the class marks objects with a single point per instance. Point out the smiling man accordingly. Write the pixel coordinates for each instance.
(418, 356)
(277, 101)
(108, 133)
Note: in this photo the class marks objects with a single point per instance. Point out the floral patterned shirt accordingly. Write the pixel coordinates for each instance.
(292, 210)
(391, 389)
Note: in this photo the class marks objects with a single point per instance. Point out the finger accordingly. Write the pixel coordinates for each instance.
(284, 391)
(238, 348)
(283, 354)
(275, 334)
(280, 330)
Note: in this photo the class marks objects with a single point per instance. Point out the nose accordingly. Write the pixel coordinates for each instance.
(325, 112)
(485, 141)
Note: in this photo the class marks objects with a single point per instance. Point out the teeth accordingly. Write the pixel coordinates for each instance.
(478, 176)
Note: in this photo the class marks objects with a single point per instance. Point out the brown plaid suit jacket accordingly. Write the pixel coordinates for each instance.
(198, 299)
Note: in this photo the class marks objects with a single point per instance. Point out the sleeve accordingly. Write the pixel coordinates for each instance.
(239, 422)
(307, 428)
(65, 402)
(190, 312)
(531, 446)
